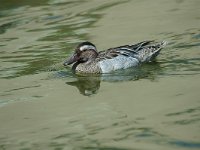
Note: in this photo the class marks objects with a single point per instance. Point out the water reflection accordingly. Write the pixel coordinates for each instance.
(89, 84)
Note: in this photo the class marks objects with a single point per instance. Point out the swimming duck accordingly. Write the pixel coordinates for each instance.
(86, 58)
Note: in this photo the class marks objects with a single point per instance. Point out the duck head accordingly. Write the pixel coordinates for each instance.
(84, 52)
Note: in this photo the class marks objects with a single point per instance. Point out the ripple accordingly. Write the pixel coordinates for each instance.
(188, 111)
(45, 34)
(189, 116)
(185, 144)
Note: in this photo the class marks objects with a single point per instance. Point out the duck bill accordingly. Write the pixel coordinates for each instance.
(71, 60)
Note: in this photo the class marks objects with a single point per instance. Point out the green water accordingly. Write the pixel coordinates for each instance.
(45, 106)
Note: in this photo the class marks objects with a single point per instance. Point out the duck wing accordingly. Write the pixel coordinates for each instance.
(144, 51)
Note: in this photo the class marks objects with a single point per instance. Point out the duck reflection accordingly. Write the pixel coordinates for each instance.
(88, 84)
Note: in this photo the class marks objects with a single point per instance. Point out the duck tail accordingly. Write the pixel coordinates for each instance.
(151, 51)
(158, 47)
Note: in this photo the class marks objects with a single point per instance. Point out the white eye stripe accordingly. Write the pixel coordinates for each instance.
(87, 47)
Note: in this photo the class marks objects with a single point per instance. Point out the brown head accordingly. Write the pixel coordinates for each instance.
(84, 52)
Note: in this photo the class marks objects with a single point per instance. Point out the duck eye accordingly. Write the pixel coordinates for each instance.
(83, 59)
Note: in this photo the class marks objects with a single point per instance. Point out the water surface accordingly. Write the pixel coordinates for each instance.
(45, 106)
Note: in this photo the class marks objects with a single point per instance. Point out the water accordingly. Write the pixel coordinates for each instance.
(45, 106)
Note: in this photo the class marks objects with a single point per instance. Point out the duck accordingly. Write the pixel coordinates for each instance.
(86, 58)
